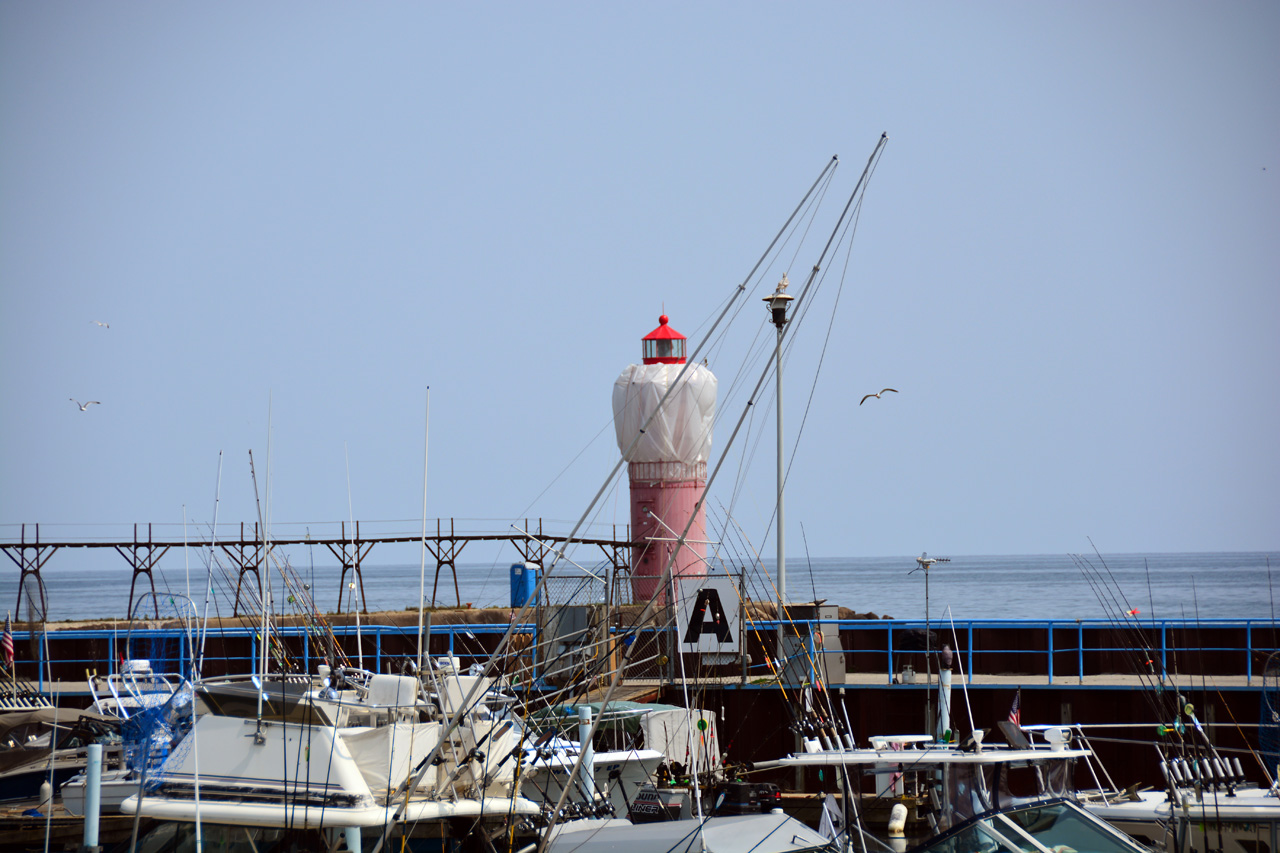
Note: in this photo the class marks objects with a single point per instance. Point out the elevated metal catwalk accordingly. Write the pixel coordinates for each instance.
(143, 552)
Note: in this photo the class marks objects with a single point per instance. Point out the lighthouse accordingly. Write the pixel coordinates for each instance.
(667, 466)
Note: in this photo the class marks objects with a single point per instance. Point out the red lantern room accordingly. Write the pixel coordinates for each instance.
(664, 345)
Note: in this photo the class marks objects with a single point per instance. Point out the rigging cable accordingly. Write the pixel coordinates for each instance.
(650, 607)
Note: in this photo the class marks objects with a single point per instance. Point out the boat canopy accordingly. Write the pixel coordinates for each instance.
(620, 715)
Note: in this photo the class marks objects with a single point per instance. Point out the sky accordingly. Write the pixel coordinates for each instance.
(295, 218)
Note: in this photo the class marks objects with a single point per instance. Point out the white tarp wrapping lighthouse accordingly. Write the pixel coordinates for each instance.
(668, 465)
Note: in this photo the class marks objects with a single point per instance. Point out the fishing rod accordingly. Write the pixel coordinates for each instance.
(750, 623)
(318, 630)
(1213, 752)
(692, 752)
(1153, 694)
(314, 621)
(1128, 610)
(826, 726)
(1111, 598)
(264, 583)
(836, 743)
(745, 632)
(818, 666)
(798, 724)
(1108, 592)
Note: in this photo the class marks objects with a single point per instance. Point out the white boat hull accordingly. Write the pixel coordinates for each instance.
(1247, 822)
(276, 815)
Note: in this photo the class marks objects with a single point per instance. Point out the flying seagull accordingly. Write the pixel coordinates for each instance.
(84, 406)
(877, 396)
(102, 324)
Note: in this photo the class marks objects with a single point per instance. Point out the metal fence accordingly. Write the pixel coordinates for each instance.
(1068, 649)
(1060, 651)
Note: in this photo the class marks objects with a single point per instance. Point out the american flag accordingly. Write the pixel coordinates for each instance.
(6, 642)
(1015, 712)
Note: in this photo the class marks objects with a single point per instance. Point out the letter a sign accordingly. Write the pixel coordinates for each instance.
(708, 615)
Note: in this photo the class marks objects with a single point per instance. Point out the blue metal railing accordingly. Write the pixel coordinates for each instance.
(876, 638)
(181, 662)
(1148, 635)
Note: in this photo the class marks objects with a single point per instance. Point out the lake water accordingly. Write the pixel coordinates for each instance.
(1166, 586)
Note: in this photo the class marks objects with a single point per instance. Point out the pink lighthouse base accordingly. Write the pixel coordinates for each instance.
(670, 502)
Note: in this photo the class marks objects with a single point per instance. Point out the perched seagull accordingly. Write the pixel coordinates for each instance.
(877, 396)
(84, 406)
(102, 324)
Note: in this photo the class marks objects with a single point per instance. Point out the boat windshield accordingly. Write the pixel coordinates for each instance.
(1054, 826)
(973, 838)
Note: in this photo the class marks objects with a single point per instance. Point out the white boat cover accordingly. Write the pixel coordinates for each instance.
(668, 731)
(387, 754)
(455, 690)
(393, 690)
(757, 833)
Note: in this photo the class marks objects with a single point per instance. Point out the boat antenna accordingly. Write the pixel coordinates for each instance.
(267, 603)
(262, 587)
(355, 555)
(186, 555)
(964, 677)
(1151, 601)
(422, 574)
(813, 586)
(1271, 594)
(208, 589)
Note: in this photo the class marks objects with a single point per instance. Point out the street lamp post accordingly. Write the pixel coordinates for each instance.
(777, 302)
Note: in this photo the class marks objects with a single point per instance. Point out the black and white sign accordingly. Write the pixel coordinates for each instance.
(708, 615)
